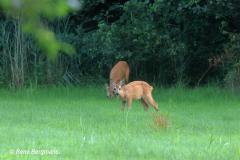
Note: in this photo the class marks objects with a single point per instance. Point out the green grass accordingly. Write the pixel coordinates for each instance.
(81, 123)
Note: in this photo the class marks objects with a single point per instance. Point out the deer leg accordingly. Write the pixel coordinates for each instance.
(152, 102)
(123, 105)
(143, 101)
(129, 103)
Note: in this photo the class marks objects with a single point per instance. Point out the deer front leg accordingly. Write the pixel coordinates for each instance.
(129, 103)
(123, 105)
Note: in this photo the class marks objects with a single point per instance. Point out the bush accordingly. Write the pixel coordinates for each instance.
(232, 80)
(232, 50)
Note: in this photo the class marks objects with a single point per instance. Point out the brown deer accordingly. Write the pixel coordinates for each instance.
(119, 72)
(138, 90)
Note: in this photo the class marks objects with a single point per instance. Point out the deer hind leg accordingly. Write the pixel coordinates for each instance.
(151, 101)
(144, 102)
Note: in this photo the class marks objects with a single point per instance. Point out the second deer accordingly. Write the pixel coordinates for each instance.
(138, 90)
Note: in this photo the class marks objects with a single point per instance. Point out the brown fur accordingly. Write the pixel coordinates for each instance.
(119, 72)
(138, 90)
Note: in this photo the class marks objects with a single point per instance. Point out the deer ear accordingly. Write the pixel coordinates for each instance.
(122, 82)
(113, 84)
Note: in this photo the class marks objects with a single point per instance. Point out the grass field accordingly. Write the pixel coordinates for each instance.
(81, 123)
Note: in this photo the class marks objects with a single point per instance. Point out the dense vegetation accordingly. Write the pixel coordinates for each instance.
(165, 41)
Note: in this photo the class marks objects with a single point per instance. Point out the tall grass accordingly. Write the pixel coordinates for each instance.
(81, 123)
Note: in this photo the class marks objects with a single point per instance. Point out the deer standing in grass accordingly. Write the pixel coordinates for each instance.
(138, 90)
(119, 73)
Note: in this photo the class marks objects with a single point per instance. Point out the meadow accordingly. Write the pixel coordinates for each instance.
(81, 123)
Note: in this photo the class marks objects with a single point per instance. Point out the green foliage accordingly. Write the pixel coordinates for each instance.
(164, 41)
(45, 37)
(31, 13)
(232, 50)
(232, 80)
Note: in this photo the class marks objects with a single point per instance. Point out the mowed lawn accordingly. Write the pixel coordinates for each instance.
(81, 123)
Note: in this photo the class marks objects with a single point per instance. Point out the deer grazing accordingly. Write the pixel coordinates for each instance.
(119, 72)
(138, 90)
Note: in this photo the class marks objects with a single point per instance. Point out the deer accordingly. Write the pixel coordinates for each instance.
(119, 72)
(136, 90)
